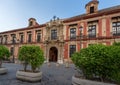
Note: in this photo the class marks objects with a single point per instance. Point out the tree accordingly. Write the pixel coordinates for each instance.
(4, 53)
(114, 54)
(116, 43)
(32, 55)
(99, 61)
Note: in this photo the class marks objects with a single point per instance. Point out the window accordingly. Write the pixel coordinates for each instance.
(92, 9)
(31, 23)
(38, 37)
(53, 34)
(12, 50)
(73, 33)
(21, 34)
(6, 39)
(1, 40)
(72, 49)
(21, 38)
(116, 28)
(29, 38)
(92, 31)
(13, 38)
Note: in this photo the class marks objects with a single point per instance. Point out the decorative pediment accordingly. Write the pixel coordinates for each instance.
(92, 6)
(54, 22)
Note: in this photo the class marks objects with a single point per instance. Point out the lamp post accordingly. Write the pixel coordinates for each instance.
(113, 37)
(13, 49)
(81, 28)
(46, 50)
(14, 42)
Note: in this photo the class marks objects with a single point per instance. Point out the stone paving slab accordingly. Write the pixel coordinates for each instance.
(52, 75)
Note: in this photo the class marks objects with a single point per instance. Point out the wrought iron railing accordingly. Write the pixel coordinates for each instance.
(86, 37)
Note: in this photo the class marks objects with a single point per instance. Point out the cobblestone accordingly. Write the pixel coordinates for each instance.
(52, 75)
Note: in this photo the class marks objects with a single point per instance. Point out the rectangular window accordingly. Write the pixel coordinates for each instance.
(73, 33)
(13, 38)
(92, 9)
(21, 38)
(72, 49)
(53, 34)
(116, 28)
(38, 37)
(29, 38)
(12, 50)
(92, 31)
(6, 39)
(1, 40)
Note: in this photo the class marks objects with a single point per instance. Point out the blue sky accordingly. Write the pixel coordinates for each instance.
(14, 14)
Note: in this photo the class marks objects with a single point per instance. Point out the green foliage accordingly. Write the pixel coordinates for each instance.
(32, 55)
(114, 54)
(99, 60)
(116, 43)
(4, 53)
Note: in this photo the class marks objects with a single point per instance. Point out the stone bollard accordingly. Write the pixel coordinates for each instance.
(67, 65)
(57, 64)
(48, 64)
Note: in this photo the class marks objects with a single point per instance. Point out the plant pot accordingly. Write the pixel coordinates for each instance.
(3, 70)
(79, 81)
(29, 76)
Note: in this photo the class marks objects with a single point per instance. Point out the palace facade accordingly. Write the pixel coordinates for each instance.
(60, 38)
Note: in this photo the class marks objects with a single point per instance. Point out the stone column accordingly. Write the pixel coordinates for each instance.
(46, 53)
(58, 59)
(60, 56)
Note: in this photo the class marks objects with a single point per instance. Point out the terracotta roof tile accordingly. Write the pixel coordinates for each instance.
(99, 13)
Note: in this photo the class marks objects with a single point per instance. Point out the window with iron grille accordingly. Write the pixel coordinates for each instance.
(72, 49)
(92, 31)
(53, 34)
(92, 9)
(12, 50)
(31, 23)
(1, 40)
(21, 38)
(13, 38)
(73, 33)
(29, 38)
(38, 37)
(6, 39)
(116, 28)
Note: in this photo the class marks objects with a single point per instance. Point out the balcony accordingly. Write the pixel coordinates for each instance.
(90, 37)
(58, 38)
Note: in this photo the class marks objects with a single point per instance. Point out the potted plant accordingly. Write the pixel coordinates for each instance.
(97, 62)
(33, 56)
(4, 54)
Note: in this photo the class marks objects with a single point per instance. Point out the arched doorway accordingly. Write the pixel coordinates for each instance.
(53, 54)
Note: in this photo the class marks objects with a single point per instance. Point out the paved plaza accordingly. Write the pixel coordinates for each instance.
(52, 75)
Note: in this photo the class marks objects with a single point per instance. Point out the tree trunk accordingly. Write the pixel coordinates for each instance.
(33, 68)
(25, 66)
(0, 63)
